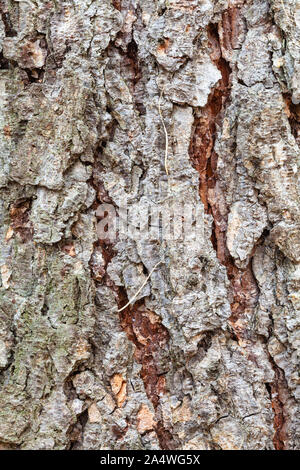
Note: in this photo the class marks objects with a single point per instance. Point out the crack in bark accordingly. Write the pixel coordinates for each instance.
(151, 338)
(10, 32)
(76, 430)
(279, 388)
(20, 222)
(293, 113)
(143, 328)
(244, 291)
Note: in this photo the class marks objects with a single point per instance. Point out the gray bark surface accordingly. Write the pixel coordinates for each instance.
(206, 356)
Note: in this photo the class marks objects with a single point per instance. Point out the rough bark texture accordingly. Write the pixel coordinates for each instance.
(207, 356)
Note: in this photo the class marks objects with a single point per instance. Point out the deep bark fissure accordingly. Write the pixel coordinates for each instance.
(151, 339)
(143, 328)
(279, 388)
(293, 112)
(10, 32)
(137, 324)
(77, 429)
(244, 290)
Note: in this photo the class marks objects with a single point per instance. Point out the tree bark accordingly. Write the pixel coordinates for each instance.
(136, 343)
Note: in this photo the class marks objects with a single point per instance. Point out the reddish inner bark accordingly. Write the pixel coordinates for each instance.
(243, 287)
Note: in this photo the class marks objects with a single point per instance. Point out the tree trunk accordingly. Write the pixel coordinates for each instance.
(168, 341)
